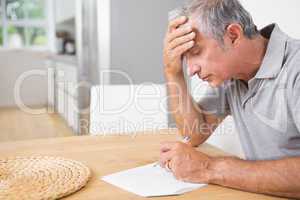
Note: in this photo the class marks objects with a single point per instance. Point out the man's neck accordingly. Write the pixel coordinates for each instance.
(253, 58)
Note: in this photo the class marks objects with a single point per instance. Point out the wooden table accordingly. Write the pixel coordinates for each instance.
(108, 154)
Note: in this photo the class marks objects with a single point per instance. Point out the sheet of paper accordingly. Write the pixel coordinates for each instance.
(150, 181)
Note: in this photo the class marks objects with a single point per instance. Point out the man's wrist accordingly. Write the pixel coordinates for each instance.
(217, 170)
(197, 139)
(173, 76)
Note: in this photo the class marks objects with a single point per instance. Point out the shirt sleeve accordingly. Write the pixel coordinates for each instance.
(214, 101)
(295, 102)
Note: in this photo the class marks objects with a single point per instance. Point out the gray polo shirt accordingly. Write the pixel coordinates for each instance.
(267, 112)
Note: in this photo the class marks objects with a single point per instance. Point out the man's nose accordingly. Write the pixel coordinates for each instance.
(193, 69)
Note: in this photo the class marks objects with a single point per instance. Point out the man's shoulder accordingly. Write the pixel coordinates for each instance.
(292, 47)
(290, 73)
(292, 60)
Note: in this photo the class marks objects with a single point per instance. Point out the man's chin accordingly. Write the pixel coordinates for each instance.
(215, 84)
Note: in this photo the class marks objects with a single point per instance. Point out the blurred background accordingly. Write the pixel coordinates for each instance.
(65, 62)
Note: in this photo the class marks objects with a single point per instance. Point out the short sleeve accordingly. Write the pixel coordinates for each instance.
(295, 102)
(214, 101)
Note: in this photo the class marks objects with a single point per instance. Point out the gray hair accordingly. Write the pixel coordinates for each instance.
(214, 16)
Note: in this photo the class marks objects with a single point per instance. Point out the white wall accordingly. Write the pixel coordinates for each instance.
(137, 32)
(285, 13)
(64, 10)
(14, 63)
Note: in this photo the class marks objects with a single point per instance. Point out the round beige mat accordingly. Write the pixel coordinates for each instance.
(38, 178)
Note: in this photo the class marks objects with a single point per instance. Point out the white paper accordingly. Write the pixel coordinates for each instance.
(150, 181)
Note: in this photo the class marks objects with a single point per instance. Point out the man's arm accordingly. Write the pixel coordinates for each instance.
(188, 116)
(278, 177)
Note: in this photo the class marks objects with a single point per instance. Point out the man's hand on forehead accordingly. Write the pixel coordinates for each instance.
(179, 39)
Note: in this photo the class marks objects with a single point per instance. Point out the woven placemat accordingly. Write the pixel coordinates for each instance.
(37, 178)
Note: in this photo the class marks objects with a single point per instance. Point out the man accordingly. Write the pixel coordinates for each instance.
(257, 78)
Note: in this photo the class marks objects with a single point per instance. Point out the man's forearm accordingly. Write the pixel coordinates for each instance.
(188, 119)
(181, 103)
(278, 178)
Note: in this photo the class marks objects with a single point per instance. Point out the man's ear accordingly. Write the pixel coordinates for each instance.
(234, 32)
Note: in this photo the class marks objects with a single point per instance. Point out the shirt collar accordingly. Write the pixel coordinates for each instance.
(274, 57)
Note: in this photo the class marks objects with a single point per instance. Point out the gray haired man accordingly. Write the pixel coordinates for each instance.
(256, 75)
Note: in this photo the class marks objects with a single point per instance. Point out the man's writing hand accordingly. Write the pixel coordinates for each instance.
(186, 163)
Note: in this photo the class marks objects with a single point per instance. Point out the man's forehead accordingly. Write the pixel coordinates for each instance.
(200, 36)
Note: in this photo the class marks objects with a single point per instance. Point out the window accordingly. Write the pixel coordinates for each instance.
(24, 24)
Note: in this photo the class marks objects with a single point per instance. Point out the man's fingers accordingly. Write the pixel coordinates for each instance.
(180, 50)
(174, 24)
(167, 146)
(178, 33)
(165, 157)
(181, 40)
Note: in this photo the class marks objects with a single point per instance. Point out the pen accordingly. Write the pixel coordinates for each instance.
(185, 140)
